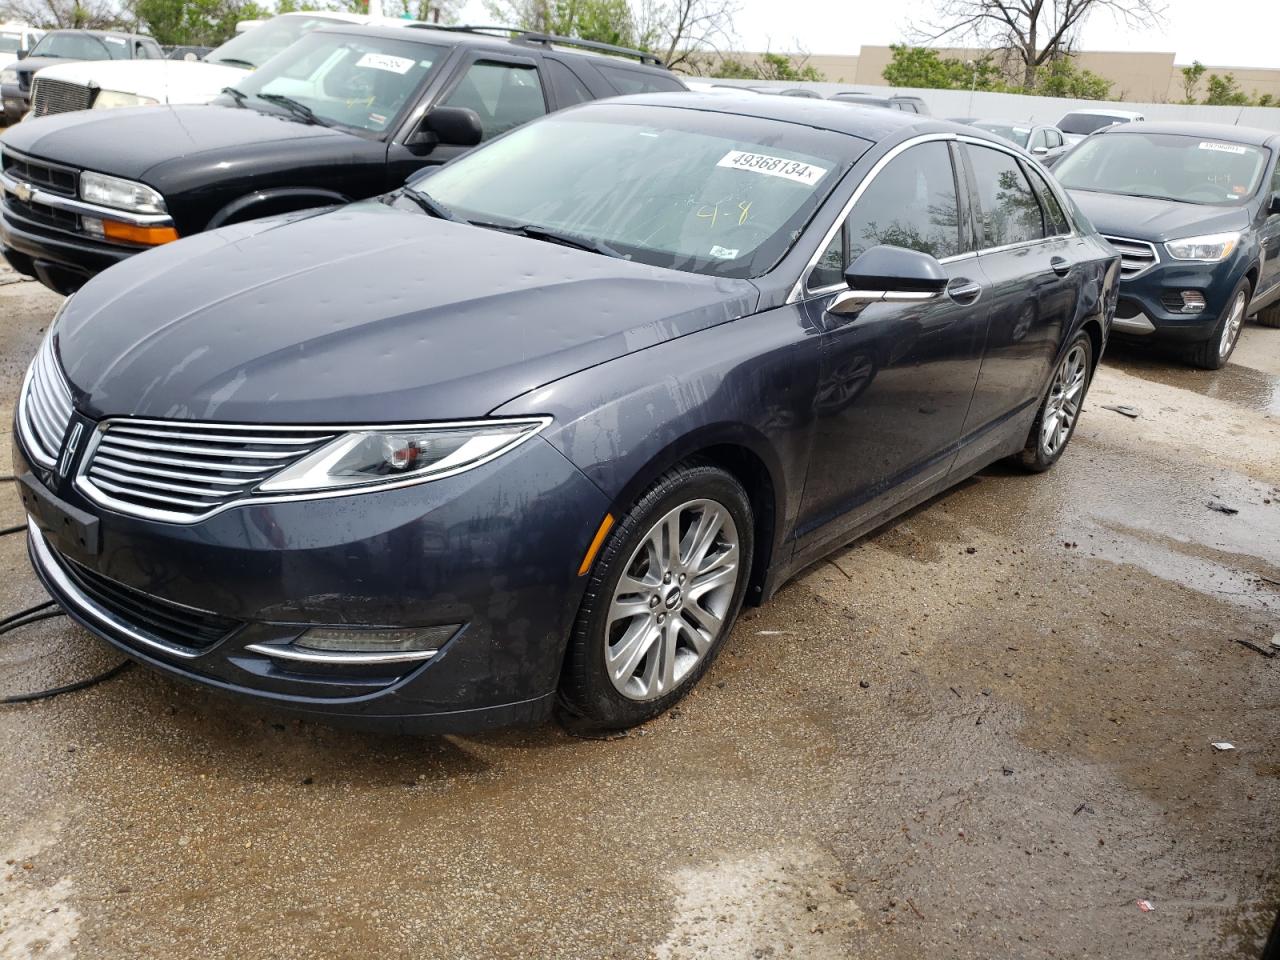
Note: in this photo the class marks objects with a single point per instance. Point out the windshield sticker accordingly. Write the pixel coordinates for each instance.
(384, 61)
(723, 253)
(1225, 148)
(794, 170)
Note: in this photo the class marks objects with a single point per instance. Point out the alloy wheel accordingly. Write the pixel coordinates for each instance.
(1062, 406)
(1231, 329)
(670, 604)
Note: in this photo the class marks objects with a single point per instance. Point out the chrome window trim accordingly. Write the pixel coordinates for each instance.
(38, 194)
(87, 487)
(71, 595)
(337, 657)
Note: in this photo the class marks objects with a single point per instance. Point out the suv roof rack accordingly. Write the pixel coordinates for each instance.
(520, 35)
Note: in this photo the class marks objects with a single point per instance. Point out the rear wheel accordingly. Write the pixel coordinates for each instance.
(1269, 316)
(1213, 353)
(1059, 412)
(663, 595)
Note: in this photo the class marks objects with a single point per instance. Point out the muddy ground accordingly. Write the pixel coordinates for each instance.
(983, 731)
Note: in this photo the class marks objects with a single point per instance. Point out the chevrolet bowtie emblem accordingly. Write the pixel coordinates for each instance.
(21, 191)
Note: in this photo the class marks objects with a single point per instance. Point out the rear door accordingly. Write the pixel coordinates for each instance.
(896, 379)
(1031, 258)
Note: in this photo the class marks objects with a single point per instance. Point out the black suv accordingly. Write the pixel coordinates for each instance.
(343, 114)
(64, 46)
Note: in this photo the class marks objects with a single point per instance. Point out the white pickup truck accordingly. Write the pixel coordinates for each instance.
(104, 84)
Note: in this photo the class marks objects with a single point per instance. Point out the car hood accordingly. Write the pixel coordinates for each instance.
(364, 314)
(32, 64)
(129, 142)
(169, 81)
(1139, 218)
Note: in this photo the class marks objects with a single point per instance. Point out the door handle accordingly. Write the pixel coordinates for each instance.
(1060, 266)
(964, 291)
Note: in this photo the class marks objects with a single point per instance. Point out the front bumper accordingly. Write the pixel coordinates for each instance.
(1147, 301)
(495, 550)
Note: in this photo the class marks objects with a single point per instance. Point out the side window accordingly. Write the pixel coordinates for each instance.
(638, 81)
(1010, 210)
(1055, 221)
(912, 203)
(566, 85)
(1055, 137)
(829, 270)
(503, 95)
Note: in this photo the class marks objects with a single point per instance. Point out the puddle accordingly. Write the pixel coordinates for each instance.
(1238, 385)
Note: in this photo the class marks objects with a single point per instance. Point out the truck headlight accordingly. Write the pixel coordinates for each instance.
(113, 99)
(8, 76)
(397, 455)
(120, 194)
(1208, 249)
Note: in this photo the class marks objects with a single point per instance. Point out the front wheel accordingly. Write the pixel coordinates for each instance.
(663, 595)
(1059, 412)
(1213, 354)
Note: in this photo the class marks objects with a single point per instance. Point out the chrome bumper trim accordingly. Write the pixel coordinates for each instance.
(70, 595)
(337, 658)
(1140, 324)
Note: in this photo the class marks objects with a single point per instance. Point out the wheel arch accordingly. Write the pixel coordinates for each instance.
(293, 198)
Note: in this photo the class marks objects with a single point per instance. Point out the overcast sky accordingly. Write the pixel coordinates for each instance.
(1220, 33)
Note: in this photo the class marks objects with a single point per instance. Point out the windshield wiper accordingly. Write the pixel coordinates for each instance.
(234, 62)
(296, 107)
(429, 204)
(535, 232)
(238, 95)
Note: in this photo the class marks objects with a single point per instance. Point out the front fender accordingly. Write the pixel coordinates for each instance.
(271, 201)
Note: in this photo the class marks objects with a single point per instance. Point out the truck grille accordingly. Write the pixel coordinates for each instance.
(40, 173)
(182, 472)
(45, 408)
(1136, 256)
(58, 96)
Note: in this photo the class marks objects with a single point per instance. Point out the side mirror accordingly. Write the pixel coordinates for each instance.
(457, 126)
(887, 274)
(23, 54)
(1273, 205)
(1039, 151)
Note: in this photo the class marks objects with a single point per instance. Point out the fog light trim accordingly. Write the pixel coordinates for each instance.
(360, 645)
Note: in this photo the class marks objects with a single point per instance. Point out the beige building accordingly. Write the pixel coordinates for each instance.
(1137, 76)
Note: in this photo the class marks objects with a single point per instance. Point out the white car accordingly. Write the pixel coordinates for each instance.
(15, 38)
(105, 84)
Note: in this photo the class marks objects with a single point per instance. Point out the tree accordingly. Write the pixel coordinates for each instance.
(198, 22)
(605, 21)
(768, 66)
(1225, 92)
(1062, 78)
(684, 33)
(925, 67)
(1035, 31)
(1191, 79)
(65, 14)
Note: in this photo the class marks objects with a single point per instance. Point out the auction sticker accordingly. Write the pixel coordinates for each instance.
(1225, 148)
(383, 61)
(795, 170)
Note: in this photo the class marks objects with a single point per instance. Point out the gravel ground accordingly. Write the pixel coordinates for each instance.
(983, 731)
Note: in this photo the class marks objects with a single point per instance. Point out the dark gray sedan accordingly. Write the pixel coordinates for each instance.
(534, 428)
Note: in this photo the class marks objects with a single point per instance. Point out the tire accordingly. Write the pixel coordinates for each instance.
(1063, 400)
(1269, 316)
(1213, 353)
(661, 622)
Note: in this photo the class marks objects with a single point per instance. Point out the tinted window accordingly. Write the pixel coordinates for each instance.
(566, 85)
(830, 267)
(1010, 211)
(638, 81)
(1056, 223)
(502, 94)
(1086, 123)
(912, 204)
(259, 44)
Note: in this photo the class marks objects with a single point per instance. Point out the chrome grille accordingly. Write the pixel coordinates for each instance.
(58, 96)
(45, 408)
(181, 471)
(1136, 256)
(41, 173)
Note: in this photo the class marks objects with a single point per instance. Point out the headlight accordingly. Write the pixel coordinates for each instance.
(121, 194)
(8, 76)
(111, 99)
(373, 457)
(1210, 249)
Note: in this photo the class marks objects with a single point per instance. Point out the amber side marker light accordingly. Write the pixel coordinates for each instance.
(605, 526)
(150, 236)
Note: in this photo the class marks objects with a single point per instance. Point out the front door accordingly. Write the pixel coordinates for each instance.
(895, 379)
(1269, 234)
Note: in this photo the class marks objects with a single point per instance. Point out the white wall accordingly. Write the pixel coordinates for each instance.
(1014, 106)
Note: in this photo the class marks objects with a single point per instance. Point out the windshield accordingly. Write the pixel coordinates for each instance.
(1009, 131)
(81, 46)
(1082, 124)
(10, 42)
(700, 192)
(355, 81)
(1165, 166)
(259, 44)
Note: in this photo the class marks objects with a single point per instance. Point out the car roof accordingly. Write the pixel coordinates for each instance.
(103, 33)
(1100, 112)
(1253, 136)
(426, 34)
(869, 123)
